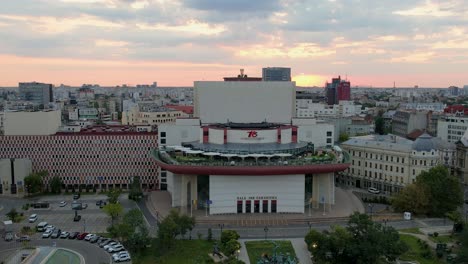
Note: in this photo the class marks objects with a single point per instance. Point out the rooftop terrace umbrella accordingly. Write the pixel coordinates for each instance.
(194, 151)
(229, 156)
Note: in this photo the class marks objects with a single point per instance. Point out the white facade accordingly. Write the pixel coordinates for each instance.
(305, 108)
(136, 117)
(32, 123)
(246, 102)
(452, 128)
(318, 132)
(226, 191)
(390, 162)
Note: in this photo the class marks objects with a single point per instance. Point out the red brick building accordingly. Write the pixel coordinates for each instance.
(101, 157)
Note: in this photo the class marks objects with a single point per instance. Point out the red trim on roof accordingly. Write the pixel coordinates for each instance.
(188, 109)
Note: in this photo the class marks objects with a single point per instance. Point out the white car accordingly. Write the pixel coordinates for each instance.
(33, 218)
(373, 190)
(120, 253)
(50, 227)
(47, 233)
(63, 204)
(122, 257)
(115, 248)
(89, 236)
(64, 234)
(110, 245)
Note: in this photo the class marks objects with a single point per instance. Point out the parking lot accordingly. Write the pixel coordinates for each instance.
(93, 218)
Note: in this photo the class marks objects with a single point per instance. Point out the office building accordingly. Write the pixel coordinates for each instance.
(38, 93)
(276, 74)
(338, 90)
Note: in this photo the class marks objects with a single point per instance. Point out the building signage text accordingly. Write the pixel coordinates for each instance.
(257, 198)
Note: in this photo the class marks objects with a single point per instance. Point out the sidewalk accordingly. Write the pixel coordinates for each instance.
(159, 204)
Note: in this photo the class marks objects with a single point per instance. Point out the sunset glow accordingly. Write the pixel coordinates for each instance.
(112, 42)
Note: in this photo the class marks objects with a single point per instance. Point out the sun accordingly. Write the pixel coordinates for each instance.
(308, 80)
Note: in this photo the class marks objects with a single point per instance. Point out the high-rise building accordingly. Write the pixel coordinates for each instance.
(38, 93)
(453, 90)
(276, 74)
(338, 90)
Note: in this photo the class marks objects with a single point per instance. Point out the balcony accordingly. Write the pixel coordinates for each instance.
(195, 162)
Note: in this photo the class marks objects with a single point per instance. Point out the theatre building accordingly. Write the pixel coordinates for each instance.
(245, 152)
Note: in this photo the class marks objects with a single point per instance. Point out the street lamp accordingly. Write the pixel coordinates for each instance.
(221, 226)
(266, 231)
(237, 253)
(309, 224)
(385, 222)
(314, 245)
(370, 208)
(84, 225)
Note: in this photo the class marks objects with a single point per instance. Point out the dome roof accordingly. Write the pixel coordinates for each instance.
(425, 143)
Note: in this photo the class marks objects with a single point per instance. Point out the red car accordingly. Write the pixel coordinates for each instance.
(81, 236)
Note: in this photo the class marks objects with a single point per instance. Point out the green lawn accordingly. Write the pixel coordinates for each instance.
(414, 252)
(63, 256)
(414, 230)
(183, 252)
(256, 249)
(443, 239)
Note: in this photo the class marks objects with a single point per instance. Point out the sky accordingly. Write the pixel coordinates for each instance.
(176, 42)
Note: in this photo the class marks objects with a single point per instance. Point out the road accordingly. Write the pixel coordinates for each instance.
(299, 231)
(91, 252)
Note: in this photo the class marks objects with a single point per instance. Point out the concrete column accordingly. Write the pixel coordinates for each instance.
(323, 188)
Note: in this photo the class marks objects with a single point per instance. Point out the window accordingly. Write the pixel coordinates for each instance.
(328, 140)
(329, 133)
(163, 134)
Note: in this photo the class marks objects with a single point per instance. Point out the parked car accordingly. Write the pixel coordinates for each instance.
(76, 218)
(100, 240)
(50, 227)
(105, 242)
(89, 236)
(84, 206)
(63, 204)
(33, 218)
(9, 236)
(373, 190)
(47, 233)
(110, 245)
(115, 248)
(81, 236)
(41, 227)
(23, 238)
(120, 253)
(73, 235)
(122, 257)
(76, 196)
(56, 233)
(64, 234)
(94, 239)
(98, 203)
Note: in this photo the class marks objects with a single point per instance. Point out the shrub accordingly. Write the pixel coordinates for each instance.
(209, 237)
(231, 247)
(436, 234)
(228, 235)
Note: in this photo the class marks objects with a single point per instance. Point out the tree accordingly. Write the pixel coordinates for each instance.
(135, 190)
(343, 137)
(113, 196)
(462, 256)
(435, 193)
(228, 235)
(413, 198)
(114, 210)
(13, 215)
(172, 226)
(55, 184)
(362, 241)
(445, 190)
(33, 182)
(379, 125)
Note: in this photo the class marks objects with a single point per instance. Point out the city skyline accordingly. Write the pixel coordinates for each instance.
(114, 42)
